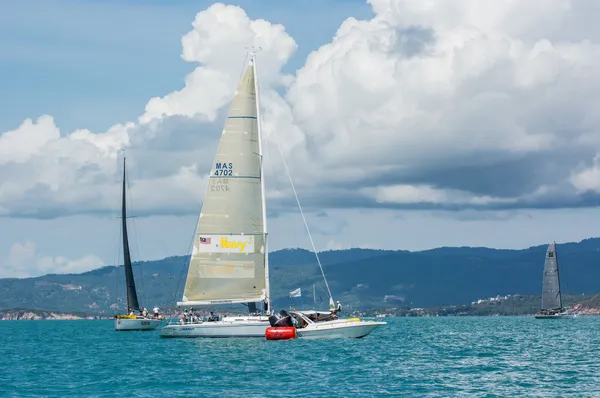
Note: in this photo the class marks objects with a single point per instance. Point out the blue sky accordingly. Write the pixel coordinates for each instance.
(406, 125)
(96, 63)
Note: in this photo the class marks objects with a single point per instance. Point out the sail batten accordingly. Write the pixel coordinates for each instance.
(551, 295)
(224, 301)
(228, 258)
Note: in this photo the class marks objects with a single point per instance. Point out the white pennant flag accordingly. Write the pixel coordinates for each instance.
(296, 293)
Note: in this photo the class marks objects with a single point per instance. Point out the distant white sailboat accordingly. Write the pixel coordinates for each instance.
(131, 320)
(229, 262)
(552, 307)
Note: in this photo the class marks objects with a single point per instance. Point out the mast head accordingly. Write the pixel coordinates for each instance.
(252, 52)
(124, 164)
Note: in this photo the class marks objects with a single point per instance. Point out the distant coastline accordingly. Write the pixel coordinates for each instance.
(515, 305)
(36, 315)
(364, 280)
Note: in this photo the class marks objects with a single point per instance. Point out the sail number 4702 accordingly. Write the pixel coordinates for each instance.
(223, 169)
(219, 185)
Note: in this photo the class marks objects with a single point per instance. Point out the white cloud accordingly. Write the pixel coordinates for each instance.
(28, 140)
(588, 179)
(46, 173)
(24, 261)
(424, 92)
(410, 194)
(220, 35)
(458, 103)
(471, 87)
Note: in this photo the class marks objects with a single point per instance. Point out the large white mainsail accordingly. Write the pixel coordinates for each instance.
(229, 261)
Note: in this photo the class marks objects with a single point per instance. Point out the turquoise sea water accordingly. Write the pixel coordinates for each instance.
(420, 357)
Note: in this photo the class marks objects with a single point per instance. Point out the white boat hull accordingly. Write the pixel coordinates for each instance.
(125, 324)
(226, 328)
(556, 316)
(338, 330)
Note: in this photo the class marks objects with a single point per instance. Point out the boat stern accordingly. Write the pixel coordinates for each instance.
(131, 324)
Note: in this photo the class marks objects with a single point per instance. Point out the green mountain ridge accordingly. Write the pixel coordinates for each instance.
(359, 278)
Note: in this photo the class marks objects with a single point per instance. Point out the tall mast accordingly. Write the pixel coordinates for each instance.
(253, 52)
(132, 300)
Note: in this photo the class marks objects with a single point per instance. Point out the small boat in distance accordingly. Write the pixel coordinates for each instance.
(326, 325)
(131, 320)
(552, 307)
(312, 325)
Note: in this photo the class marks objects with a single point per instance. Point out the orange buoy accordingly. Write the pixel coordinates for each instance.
(280, 333)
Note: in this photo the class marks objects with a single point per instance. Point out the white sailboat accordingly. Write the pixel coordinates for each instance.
(552, 307)
(131, 320)
(229, 262)
(316, 324)
(309, 328)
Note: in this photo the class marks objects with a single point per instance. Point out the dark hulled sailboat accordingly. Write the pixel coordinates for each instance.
(136, 318)
(552, 306)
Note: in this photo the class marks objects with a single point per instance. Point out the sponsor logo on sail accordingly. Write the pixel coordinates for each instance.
(232, 244)
(224, 244)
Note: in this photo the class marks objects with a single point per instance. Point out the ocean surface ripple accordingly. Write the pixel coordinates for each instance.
(420, 357)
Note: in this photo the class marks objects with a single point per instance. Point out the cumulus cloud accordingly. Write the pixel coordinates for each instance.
(220, 35)
(48, 173)
(588, 179)
(24, 261)
(457, 104)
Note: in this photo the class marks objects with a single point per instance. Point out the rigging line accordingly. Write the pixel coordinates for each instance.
(187, 258)
(278, 186)
(137, 249)
(117, 293)
(243, 67)
(304, 219)
(116, 309)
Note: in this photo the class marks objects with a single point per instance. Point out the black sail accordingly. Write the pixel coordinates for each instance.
(132, 300)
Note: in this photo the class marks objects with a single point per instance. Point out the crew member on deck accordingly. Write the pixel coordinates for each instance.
(155, 310)
(339, 307)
